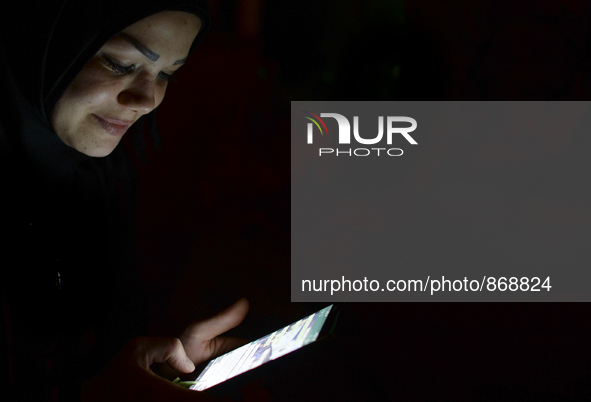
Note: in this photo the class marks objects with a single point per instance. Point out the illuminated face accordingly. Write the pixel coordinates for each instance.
(123, 81)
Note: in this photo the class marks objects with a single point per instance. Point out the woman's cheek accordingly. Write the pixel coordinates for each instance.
(94, 85)
(159, 94)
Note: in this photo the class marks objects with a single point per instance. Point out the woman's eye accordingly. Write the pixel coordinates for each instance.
(118, 68)
(167, 77)
(123, 70)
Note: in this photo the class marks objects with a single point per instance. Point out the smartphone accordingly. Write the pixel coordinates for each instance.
(313, 328)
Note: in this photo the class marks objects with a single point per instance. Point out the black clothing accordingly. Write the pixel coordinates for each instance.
(70, 296)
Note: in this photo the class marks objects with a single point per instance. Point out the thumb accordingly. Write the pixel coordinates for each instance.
(218, 324)
(163, 350)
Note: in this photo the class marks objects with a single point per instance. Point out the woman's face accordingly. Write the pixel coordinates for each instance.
(123, 81)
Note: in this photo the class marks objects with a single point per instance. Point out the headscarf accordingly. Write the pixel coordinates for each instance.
(69, 217)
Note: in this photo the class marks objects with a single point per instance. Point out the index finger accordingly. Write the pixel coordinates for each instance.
(223, 321)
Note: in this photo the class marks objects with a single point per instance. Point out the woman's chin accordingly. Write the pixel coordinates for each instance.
(96, 149)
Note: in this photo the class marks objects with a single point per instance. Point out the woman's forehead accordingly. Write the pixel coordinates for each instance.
(167, 33)
(165, 25)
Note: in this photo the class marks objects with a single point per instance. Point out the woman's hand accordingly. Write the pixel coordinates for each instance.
(201, 340)
(129, 376)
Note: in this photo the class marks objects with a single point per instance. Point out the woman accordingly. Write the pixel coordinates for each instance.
(76, 78)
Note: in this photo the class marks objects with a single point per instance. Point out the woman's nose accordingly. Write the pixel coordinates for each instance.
(139, 95)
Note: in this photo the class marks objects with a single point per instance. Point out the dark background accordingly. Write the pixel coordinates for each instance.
(215, 202)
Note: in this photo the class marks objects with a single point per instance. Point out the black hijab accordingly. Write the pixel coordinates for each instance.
(69, 217)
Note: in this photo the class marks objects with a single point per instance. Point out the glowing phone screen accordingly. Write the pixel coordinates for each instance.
(256, 353)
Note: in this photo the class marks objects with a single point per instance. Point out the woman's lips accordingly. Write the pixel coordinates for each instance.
(112, 126)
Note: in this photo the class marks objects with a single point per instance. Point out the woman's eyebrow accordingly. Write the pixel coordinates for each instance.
(139, 46)
(144, 50)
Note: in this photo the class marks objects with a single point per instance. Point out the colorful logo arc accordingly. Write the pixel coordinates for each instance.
(315, 122)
